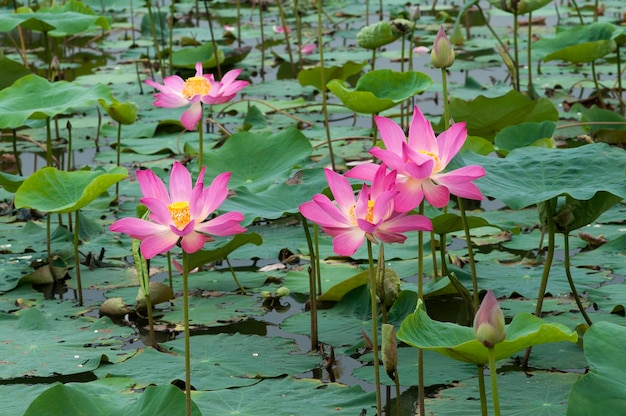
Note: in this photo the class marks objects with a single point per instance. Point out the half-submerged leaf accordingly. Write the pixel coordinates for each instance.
(459, 342)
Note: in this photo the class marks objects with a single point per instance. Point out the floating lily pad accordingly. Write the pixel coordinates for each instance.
(218, 361)
(604, 387)
(302, 397)
(109, 396)
(258, 160)
(43, 347)
(583, 43)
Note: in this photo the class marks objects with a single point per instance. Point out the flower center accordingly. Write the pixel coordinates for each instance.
(435, 158)
(180, 214)
(196, 86)
(369, 214)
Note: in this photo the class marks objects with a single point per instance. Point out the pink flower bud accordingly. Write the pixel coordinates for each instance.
(442, 55)
(489, 322)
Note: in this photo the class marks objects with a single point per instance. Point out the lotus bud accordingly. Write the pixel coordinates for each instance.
(442, 55)
(282, 291)
(489, 322)
(266, 294)
(390, 350)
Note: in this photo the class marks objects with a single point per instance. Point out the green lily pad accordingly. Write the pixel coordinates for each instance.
(519, 7)
(313, 76)
(202, 257)
(614, 131)
(459, 342)
(57, 21)
(35, 97)
(218, 361)
(485, 117)
(524, 134)
(531, 175)
(52, 190)
(42, 346)
(380, 90)
(604, 387)
(274, 202)
(188, 57)
(534, 394)
(258, 160)
(302, 397)
(10, 182)
(579, 44)
(107, 397)
(377, 35)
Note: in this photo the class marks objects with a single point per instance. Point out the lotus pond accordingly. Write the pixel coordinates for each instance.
(202, 202)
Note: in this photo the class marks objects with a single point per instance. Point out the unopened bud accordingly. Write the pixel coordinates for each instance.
(489, 322)
(282, 291)
(442, 55)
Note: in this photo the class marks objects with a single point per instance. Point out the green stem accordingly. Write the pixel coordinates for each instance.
(320, 45)
(200, 141)
(232, 271)
(77, 261)
(516, 51)
(494, 381)
(570, 279)
(155, 38)
(118, 158)
(619, 83)
(213, 41)
(420, 296)
(374, 326)
(470, 253)
(318, 268)
(283, 22)
(580, 16)
(549, 210)
(68, 125)
(17, 158)
(446, 105)
(483, 392)
(398, 401)
(312, 288)
(169, 269)
(597, 85)
(531, 88)
(48, 143)
(187, 334)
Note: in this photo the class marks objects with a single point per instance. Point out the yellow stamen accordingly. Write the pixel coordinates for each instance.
(369, 216)
(180, 214)
(431, 154)
(196, 86)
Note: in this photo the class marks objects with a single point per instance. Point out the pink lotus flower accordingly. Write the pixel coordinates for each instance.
(420, 162)
(201, 88)
(179, 216)
(370, 216)
(229, 28)
(281, 29)
(420, 50)
(308, 49)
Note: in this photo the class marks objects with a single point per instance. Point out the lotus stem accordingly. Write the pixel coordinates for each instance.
(320, 44)
(597, 85)
(549, 209)
(17, 158)
(482, 390)
(313, 270)
(318, 268)
(213, 41)
(200, 141)
(169, 269)
(155, 38)
(118, 159)
(531, 88)
(77, 259)
(283, 22)
(570, 279)
(238, 7)
(232, 272)
(68, 125)
(262, 70)
(374, 304)
(420, 296)
(187, 334)
(48, 143)
(494, 381)
(141, 265)
(470, 253)
(516, 51)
